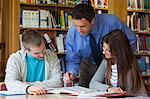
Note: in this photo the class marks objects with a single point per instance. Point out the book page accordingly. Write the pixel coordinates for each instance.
(75, 90)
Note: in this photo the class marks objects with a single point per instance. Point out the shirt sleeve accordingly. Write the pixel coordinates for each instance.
(72, 57)
(97, 79)
(13, 79)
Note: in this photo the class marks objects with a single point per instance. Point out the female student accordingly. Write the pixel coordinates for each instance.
(119, 71)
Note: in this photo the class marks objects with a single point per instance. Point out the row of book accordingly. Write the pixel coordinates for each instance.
(100, 3)
(144, 63)
(54, 2)
(139, 22)
(45, 19)
(60, 43)
(48, 42)
(138, 5)
(143, 43)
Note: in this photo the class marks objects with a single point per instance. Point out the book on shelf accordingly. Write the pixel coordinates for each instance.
(139, 22)
(45, 19)
(62, 19)
(143, 43)
(144, 63)
(49, 42)
(101, 3)
(60, 42)
(138, 5)
(53, 2)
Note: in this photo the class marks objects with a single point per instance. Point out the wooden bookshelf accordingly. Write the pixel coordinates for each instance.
(118, 8)
(46, 5)
(13, 7)
(45, 29)
(105, 9)
(144, 32)
(142, 54)
(139, 11)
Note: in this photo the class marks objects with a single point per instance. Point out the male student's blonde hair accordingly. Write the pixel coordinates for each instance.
(31, 38)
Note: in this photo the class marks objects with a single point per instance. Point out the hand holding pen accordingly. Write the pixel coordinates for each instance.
(67, 78)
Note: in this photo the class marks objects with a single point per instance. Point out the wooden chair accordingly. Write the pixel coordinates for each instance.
(147, 86)
(3, 86)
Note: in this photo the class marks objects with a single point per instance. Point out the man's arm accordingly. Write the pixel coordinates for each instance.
(13, 79)
(97, 79)
(72, 57)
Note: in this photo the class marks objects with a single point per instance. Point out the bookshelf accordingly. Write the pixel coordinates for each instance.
(57, 14)
(12, 21)
(139, 20)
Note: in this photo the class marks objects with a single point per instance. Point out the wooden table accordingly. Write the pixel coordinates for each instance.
(58, 96)
(47, 96)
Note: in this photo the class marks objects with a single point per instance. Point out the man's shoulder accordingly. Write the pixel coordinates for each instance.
(105, 17)
(72, 30)
(50, 54)
(18, 54)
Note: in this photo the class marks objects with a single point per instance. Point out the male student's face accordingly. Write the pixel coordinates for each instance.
(83, 26)
(38, 52)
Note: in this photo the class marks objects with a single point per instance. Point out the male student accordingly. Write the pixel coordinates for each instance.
(88, 28)
(34, 68)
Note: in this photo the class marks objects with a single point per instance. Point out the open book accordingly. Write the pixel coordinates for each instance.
(75, 90)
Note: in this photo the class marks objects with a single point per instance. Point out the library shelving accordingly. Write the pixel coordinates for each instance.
(139, 20)
(53, 19)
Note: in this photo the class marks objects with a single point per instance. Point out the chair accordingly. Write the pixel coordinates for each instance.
(147, 86)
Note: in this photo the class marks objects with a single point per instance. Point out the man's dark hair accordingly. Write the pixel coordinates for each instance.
(83, 11)
(31, 38)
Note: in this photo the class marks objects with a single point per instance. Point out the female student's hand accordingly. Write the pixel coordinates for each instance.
(115, 90)
(36, 90)
(67, 78)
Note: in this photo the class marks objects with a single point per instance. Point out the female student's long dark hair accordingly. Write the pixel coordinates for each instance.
(129, 78)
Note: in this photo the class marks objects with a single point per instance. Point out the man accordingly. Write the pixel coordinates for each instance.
(80, 55)
(32, 69)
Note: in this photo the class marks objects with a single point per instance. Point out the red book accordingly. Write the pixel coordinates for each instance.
(114, 95)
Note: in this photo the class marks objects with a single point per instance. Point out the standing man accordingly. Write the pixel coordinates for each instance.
(33, 69)
(88, 28)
